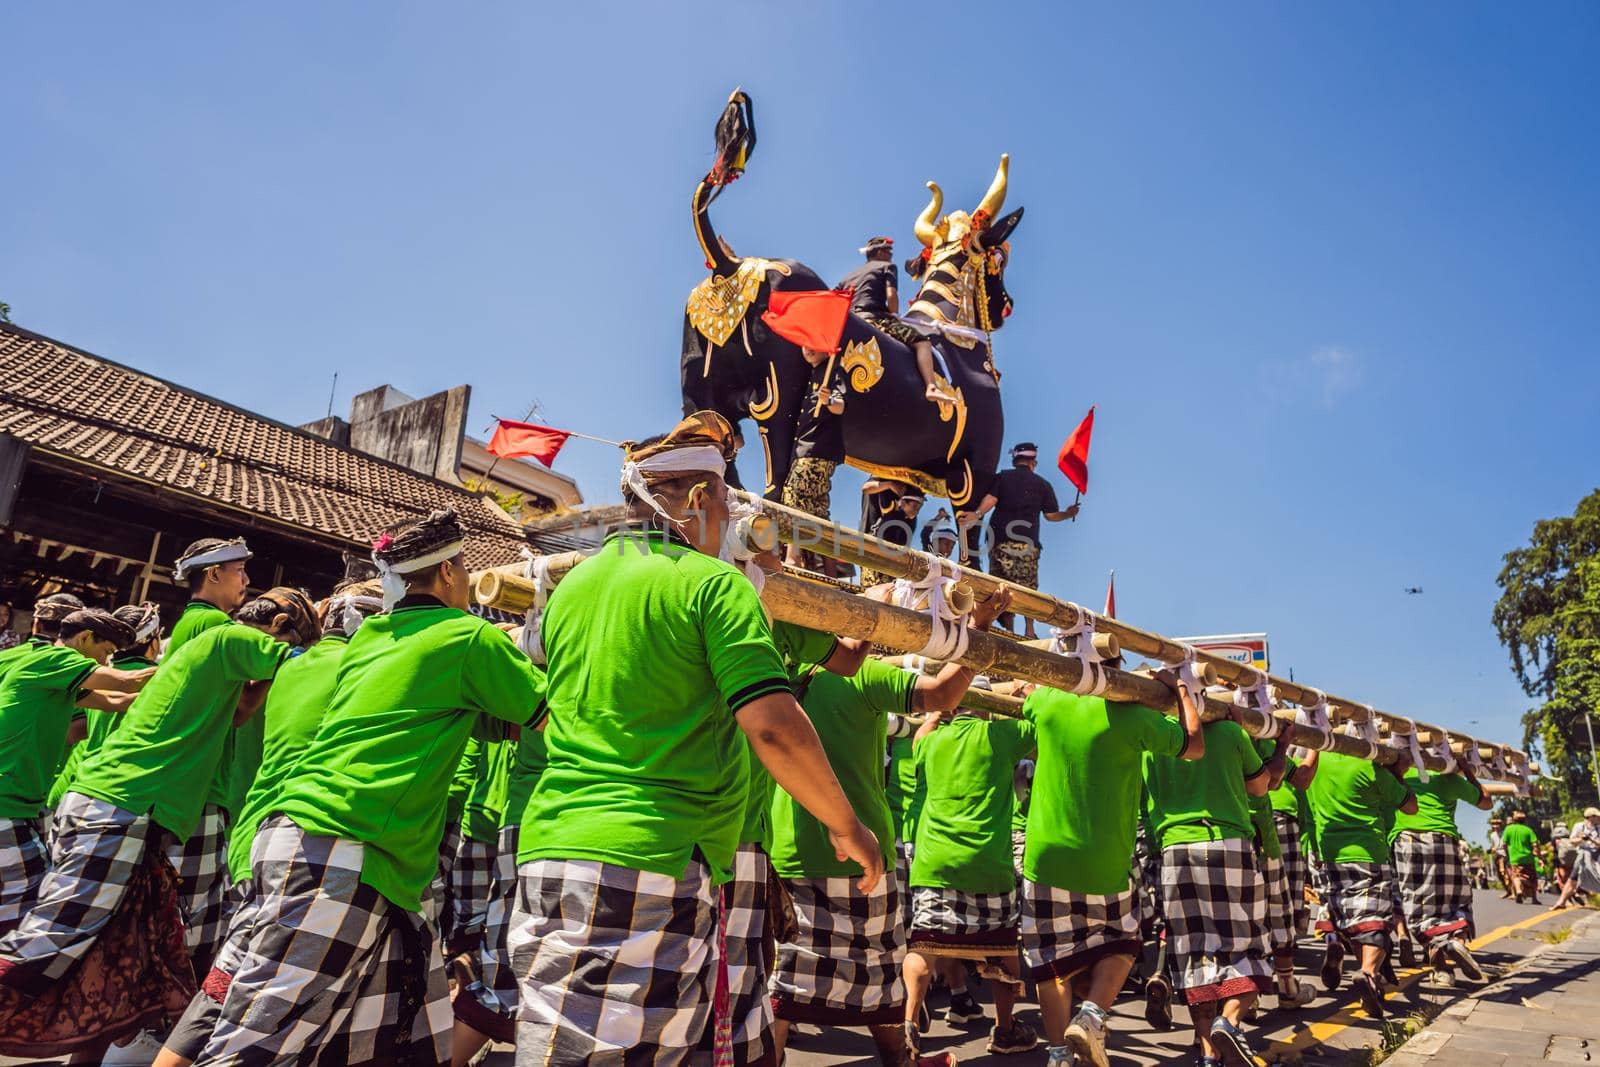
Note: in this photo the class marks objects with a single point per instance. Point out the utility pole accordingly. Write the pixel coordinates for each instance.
(1594, 760)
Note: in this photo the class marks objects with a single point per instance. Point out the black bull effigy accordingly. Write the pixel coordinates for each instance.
(734, 365)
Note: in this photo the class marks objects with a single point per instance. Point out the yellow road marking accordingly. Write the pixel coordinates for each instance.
(1317, 1033)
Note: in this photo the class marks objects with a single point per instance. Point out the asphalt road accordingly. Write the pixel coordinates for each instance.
(1323, 1032)
(1326, 1032)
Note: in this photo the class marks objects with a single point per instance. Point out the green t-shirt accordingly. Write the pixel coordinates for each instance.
(1203, 800)
(904, 789)
(1520, 842)
(801, 648)
(1019, 806)
(295, 705)
(172, 738)
(1086, 783)
(1436, 804)
(527, 765)
(461, 781)
(1262, 807)
(1286, 798)
(1348, 799)
(653, 650)
(486, 802)
(851, 717)
(198, 617)
(964, 833)
(38, 699)
(98, 726)
(411, 686)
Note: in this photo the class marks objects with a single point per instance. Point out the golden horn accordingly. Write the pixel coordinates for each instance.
(930, 215)
(995, 198)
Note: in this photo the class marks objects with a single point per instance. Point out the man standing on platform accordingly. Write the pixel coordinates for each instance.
(660, 658)
(1019, 498)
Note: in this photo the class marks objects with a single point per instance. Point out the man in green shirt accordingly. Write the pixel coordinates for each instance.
(126, 803)
(1276, 816)
(1212, 895)
(659, 659)
(962, 884)
(300, 695)
(354, 829)
(488, 761)
(43, 686)
(1349, 797)
(1080, 917)
(843, 966)
(1520, 843)
(1435, 887)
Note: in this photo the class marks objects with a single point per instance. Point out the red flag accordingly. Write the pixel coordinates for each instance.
(813, 319)
(1111, 597)
(1074, 458)
(513, 439)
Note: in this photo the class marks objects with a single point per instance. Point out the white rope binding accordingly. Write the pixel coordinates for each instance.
(1441, 748)
(1257, 697)
(1414, 748)
(1315, 715)
(1092, 679)
(537, 571)
(947, 631)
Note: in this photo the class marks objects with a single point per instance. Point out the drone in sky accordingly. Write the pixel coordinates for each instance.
(1413, 590)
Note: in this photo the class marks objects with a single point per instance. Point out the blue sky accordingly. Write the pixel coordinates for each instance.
(1329, 272)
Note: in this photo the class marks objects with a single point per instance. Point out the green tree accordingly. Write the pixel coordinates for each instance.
(5, 311)
(1548, 617)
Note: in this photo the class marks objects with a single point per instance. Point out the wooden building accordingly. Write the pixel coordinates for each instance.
(107, 473)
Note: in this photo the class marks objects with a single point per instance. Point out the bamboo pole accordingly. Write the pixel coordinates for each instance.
(863, 550)
(805, 603)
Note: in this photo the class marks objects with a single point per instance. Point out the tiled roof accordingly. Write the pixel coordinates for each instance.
(97, 412)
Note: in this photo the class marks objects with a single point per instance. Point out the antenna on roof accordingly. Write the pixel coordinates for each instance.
(331, 389)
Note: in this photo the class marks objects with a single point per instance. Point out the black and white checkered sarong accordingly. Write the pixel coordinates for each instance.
(1215, 906)
(329, 966)
(1295, 869)
(1063, 932)
(443, 883)
(1358, 901)
(904, 852)
(1435, 889)
(202, 866)
(471, 878)
(955, 923)
(612, 963)
(98, 846)
(843, 969)
(22, 868)
(188, 1038)
(750, 960)
(489, 1005)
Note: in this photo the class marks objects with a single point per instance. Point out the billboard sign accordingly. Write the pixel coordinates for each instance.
(1249, 649)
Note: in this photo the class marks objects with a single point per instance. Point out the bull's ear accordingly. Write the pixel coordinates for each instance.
(1000, 232)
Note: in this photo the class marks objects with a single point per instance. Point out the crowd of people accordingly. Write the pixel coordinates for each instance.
(373, 829)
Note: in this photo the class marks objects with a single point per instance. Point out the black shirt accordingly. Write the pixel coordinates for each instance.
(882, 518)
(871, 282)
(819, 435)
(1021, 497)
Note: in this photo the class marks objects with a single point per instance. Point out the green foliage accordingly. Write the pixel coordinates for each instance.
(5, 311)
(1548, 617)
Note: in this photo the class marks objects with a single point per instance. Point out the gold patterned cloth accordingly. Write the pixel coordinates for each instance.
(1017, 562)
(809, 487)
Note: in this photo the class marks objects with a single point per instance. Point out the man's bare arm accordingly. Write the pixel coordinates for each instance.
(783, 739)
(117, 680)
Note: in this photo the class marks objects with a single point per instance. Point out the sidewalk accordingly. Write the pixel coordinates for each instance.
(1545, 1011)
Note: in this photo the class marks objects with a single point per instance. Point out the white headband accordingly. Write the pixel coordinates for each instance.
(148, 628)
(352, 610)
(705, 458)
(225, 553)
(391, 576)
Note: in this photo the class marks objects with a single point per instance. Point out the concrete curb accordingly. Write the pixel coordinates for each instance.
(1545, 1009)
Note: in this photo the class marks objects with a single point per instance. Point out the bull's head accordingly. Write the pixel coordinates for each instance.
(963, 261)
